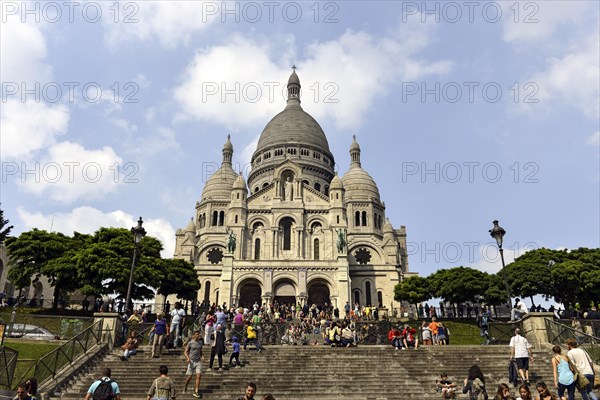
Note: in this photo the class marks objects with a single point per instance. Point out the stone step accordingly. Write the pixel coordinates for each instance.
(311, 372)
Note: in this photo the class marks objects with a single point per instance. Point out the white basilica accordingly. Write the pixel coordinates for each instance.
(294, 232)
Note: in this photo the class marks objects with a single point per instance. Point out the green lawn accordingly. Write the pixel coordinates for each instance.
(31, 349)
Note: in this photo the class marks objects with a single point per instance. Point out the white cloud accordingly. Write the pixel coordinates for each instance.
(365, 67)
(594, 139)
(489, 259)
(23, 53)
(529, 22)
(70, 172)
(574, 78)
(29, 126)
(88, 220)
(169, 23)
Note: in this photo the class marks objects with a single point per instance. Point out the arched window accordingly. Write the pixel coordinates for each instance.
(379, 299)
(256, 189)
(207, 293)
(326, 190)
(317, 186)
(286, 224)
(338, 219)
(356, 297)
(257, 249)
(357, 218)
(221, 218)
(236, 219)
(316, 249)
(215, 218)
(265, 184)
(368, 292)
(238, 195)
(364, 218)
(375, 221)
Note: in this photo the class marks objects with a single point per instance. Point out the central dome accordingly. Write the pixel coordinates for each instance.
(292, 125)
(292, 134)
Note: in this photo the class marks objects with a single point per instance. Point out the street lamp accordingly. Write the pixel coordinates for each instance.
(138, 233)
(497, 232)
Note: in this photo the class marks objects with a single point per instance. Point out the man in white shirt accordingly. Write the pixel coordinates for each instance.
(520, 350)
(519, 310)
(582, 361)
(176, 321)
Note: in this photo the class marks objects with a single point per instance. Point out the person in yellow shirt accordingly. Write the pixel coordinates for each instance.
(251, 337)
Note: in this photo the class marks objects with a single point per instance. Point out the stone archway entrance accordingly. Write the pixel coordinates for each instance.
(285, 292)
(250, 292)
(318, 293)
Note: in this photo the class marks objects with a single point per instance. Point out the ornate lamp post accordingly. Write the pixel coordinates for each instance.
(138, 233)
(497, 232)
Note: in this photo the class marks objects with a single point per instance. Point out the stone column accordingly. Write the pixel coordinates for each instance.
(225, 285)
(299, 244)
(112, 327)
(302, 281)
(342, 278)
(534, 328)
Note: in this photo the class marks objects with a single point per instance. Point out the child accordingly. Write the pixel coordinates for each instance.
(446, 386)
(236, 352)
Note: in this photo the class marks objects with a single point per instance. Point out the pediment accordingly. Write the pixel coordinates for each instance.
(312, 197)
(263, 197)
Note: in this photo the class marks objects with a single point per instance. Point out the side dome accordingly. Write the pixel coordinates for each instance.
(220, 184)
(359, 185)
(336, 183)
(191, 226)
(387, 227)
(239, 182)
(357, 182)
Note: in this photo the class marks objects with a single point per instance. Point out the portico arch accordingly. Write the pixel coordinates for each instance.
(285, 291)
(249, 292)
(318, 292)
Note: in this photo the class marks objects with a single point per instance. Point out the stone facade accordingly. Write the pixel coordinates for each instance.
(36, 289)
(294, 232)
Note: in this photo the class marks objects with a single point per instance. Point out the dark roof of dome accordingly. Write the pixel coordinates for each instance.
(293, 125)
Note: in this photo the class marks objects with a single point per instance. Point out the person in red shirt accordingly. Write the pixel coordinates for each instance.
(409, 337)
(395, 338)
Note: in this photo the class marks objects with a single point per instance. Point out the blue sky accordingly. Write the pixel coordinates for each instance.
(466, 112)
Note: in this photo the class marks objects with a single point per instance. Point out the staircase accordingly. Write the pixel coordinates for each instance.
(319, 372)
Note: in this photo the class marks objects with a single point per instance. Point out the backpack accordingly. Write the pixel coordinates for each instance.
(484, 320)
(169, 344)
(104, 391)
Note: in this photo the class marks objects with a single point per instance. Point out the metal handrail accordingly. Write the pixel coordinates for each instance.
(50, 364)
(558, 333)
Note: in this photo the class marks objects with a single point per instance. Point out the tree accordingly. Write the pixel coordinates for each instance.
(4, 229)
(104, 264)
(494, 292)
(529, 274)
(414, 290)
(31, 254)
(179, 277)
(459, 284)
